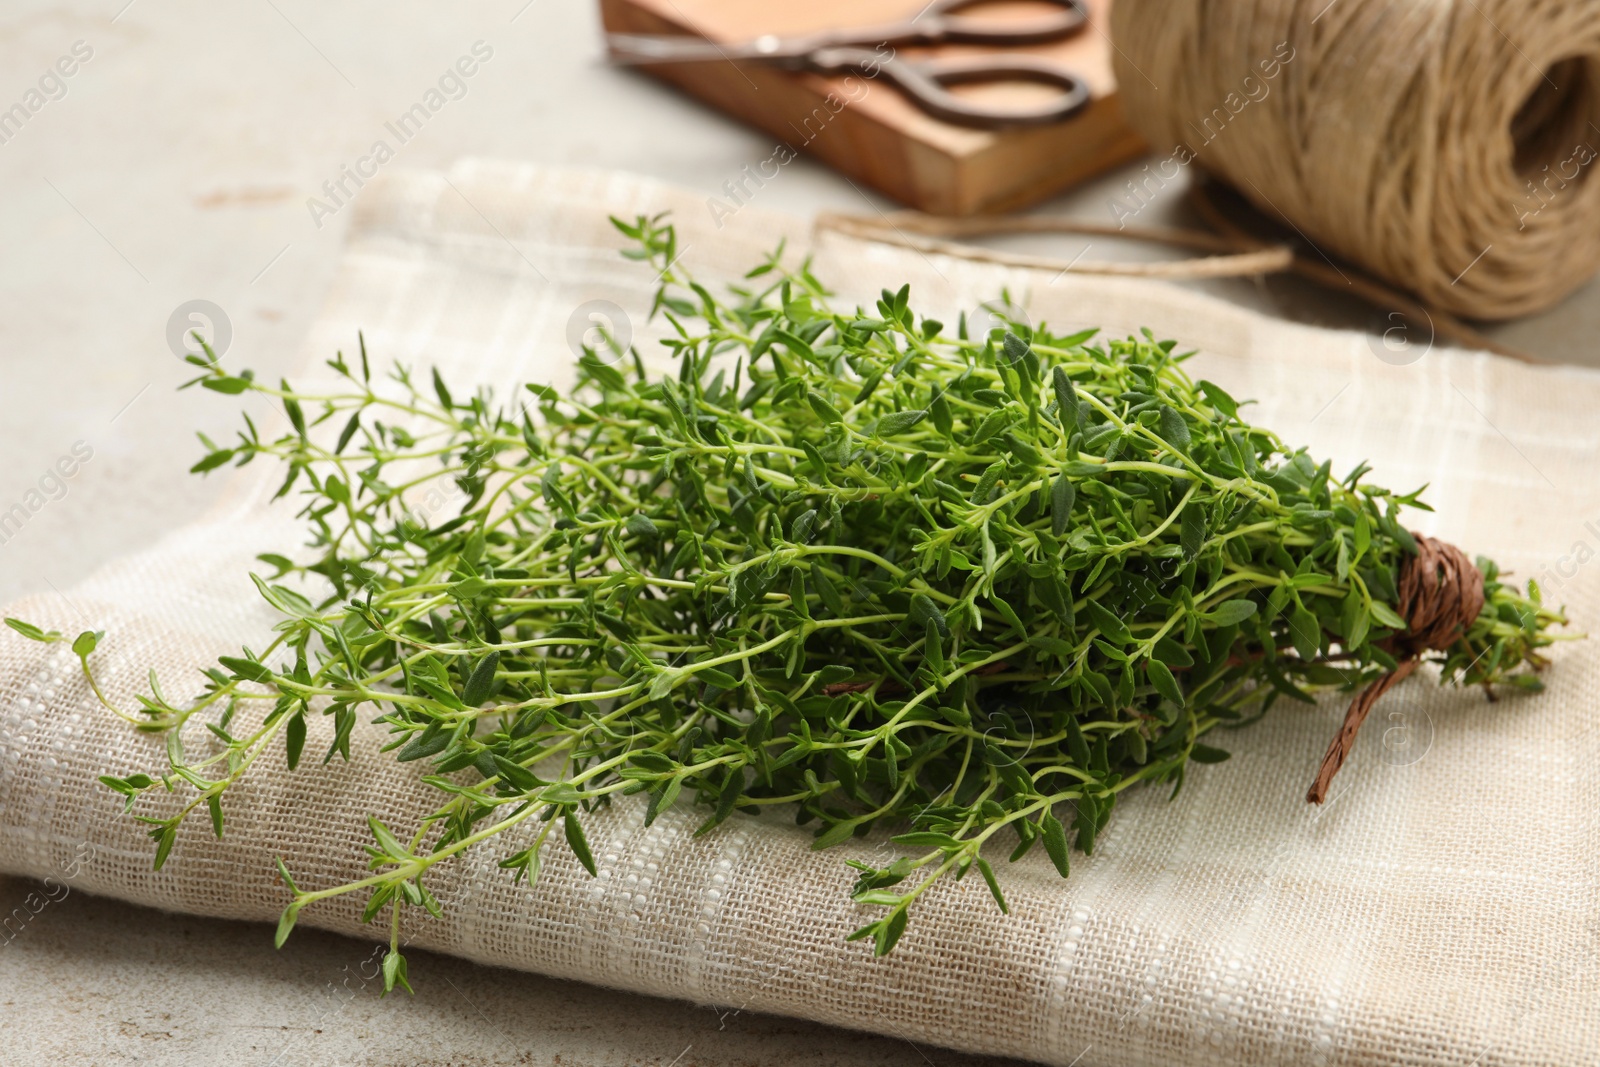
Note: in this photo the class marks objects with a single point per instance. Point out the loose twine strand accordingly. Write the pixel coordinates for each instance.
(908, 229)
(1232, 252)
(1441, 593)
(1444, 145)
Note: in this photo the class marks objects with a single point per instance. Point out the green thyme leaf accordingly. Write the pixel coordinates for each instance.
(32, 632)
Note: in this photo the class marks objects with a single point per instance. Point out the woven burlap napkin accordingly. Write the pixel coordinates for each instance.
(1442, 908)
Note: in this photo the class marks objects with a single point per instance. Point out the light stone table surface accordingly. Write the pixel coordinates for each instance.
(174, 164)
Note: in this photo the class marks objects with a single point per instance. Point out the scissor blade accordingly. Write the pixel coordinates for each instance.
(660, 48)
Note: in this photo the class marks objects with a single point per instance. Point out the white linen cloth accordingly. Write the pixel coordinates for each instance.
(1441, 909)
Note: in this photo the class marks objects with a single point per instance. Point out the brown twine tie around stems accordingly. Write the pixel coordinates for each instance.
(1441, 593)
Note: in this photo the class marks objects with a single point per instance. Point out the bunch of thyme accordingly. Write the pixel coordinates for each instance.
(858, 567)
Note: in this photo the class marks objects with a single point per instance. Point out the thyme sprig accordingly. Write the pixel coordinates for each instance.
(854, 566)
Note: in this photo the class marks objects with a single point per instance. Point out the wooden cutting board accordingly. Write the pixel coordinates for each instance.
(870, 132)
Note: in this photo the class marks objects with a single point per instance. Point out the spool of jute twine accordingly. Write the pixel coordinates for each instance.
(1443, 145)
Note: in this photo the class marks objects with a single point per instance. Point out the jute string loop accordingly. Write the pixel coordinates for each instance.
(1230, 252)
(1444, 145)
(1441, 593)
(909, 229)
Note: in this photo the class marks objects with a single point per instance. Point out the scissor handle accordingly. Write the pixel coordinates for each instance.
(941, 23)
(927, 82)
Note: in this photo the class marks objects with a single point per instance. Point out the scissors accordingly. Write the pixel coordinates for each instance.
(925, 81)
